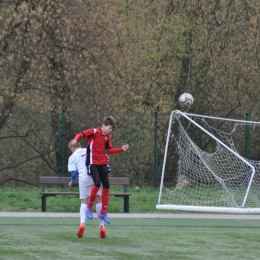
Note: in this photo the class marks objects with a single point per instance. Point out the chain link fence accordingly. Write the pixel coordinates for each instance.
(34, 144)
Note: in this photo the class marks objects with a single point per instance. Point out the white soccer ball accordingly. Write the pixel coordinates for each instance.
(186, 100)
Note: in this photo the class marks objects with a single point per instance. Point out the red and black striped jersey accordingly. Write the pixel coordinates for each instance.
(97, 143)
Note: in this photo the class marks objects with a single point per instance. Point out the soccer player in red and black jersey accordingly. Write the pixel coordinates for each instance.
(99, 140)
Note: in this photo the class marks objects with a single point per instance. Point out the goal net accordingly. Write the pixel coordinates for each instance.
(206, 166)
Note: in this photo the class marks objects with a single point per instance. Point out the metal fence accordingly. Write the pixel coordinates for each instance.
(34, 143)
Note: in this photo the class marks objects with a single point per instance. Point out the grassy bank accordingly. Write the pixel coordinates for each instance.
(142, 200)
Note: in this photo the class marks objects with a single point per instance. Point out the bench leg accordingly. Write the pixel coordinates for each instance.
(126, 204)
(43, 203)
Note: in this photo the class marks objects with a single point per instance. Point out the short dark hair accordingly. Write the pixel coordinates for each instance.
(109, 120)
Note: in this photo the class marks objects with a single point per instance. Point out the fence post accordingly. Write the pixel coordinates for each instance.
(155, 165)
(63, 142)
(247, 137)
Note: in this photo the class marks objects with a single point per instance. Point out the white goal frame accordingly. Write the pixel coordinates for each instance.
(213, 209)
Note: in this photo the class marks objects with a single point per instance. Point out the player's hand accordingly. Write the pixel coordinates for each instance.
(73, 141)
(70, 185)
(125, 147)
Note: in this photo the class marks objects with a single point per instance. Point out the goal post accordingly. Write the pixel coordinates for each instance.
(204, 171)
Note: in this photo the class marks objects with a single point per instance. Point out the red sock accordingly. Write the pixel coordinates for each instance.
(93, 194)
(105, 199)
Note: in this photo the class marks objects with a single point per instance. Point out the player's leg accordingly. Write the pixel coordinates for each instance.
(98, 210)
(105, 192)
(83, 195)
(101, 221)
(98, 203)
(83, 207)
(93, 171)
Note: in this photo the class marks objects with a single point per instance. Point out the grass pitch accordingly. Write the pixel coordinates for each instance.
(55, 238)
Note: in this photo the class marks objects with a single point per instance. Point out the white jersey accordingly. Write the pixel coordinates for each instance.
(77, 163)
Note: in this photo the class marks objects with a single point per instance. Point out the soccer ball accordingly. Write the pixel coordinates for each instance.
(186, 100)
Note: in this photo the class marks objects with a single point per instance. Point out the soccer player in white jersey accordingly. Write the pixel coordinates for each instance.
(77, 167)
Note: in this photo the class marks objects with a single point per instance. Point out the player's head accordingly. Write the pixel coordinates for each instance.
(74, 146)
(108, 124)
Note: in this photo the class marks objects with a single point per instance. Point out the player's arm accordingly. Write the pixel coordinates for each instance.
(84, 134)
(114, 150)
(74, 175)
(72, 168)
(111, 149)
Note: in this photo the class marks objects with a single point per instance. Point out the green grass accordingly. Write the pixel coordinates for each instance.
(55, 238)
(28, 199)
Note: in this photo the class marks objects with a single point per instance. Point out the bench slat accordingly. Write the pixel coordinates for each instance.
(59, 193)
(66, 180)
(49, 193)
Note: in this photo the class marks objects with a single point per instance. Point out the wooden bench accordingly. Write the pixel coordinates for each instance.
(52, 180)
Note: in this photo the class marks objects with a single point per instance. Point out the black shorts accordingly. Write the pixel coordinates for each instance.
(101, 169)
(99, 174)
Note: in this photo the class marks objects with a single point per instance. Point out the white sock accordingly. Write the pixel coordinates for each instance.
(98, 210)
(82, 212)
